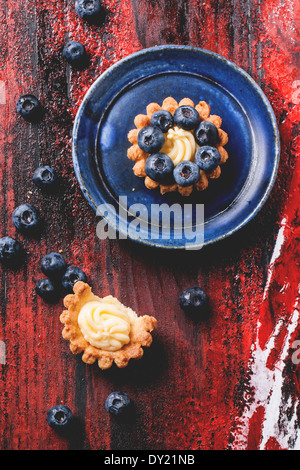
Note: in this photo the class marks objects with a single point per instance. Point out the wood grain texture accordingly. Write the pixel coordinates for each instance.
(192, 387)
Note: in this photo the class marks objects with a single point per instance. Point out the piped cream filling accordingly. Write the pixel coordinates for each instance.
(179, 145)
(105, 324)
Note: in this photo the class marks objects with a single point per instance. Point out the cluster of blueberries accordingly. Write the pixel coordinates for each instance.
(159, 166)
(28, 221)
(60, 417)
(60, 277)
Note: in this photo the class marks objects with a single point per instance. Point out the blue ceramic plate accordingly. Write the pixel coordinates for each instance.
(106, 116)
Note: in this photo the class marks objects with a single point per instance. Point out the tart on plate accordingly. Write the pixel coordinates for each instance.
(177, 146)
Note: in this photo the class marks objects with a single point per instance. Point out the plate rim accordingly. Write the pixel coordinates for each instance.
(216, 56)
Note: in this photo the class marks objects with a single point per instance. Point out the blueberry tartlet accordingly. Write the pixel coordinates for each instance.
(177, 146)
(103, 329)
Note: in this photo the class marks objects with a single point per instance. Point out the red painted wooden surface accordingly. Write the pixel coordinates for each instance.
(228, 383)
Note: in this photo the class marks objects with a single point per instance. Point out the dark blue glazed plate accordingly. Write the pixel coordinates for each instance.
(106, 116)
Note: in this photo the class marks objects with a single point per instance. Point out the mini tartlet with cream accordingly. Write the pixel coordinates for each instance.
(179, 145)
(103, 329)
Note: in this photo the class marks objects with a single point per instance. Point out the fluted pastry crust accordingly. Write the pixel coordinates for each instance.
(140, 332)
(138, 156)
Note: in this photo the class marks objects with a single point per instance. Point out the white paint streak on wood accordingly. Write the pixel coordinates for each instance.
(266, 386)
(2, 92)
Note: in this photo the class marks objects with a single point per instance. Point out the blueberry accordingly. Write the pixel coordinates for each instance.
(59, 417)
(159, 167)
(162, 119)
(72, 275)
(30, 108)
(186, 117)
(53, 265)
(90, 10)
(26, 218)
(186, 173)
(151, 139)
(206, 134)
(47, 289)
(117, 402)
(75, 54)
(194, 301)
(11, 251)
(45, 177)
(207, 158)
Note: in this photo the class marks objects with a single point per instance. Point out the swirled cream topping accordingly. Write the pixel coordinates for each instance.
(179, 145)
(105, 324)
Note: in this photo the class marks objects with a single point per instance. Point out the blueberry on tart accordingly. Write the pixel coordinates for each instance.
(177, 146)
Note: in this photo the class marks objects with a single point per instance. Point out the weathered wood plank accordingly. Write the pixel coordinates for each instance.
(188, 389)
